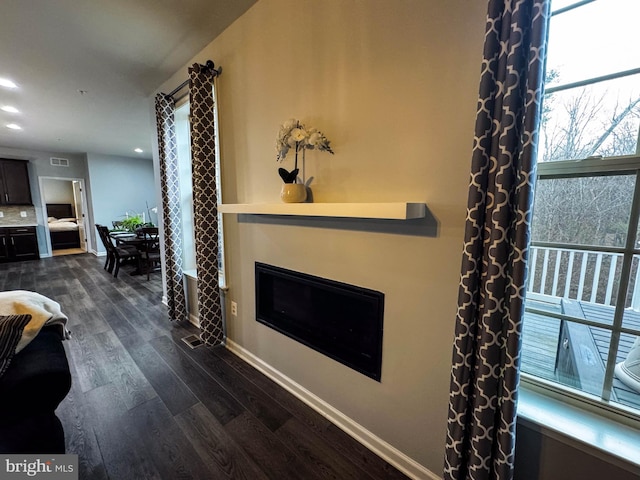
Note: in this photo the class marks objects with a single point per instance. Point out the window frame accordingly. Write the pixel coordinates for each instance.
(595, 166)
(629, 164)
(182, 102)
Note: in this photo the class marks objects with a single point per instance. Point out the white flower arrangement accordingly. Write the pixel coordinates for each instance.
(294, 135)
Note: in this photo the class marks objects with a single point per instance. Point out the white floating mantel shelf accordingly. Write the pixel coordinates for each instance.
(389, 211)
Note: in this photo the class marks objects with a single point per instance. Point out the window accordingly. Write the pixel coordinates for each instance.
(183, 141)
(582, 315)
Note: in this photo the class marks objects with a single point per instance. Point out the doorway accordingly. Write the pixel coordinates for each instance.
(64, 204)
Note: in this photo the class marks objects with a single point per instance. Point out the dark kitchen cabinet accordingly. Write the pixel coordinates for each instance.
(4, 247)
(18, 243)
(14, 183)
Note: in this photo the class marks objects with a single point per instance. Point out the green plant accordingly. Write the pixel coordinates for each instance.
(131, 223)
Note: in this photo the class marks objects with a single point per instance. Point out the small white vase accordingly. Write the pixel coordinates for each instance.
(293, 192)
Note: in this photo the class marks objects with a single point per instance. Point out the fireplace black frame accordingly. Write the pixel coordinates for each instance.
(351, 316)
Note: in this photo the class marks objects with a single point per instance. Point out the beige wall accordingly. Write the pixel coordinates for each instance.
(393, 84)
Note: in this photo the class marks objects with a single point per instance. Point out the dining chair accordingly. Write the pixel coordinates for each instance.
(107, 262)
(119, 255)
(150, 253)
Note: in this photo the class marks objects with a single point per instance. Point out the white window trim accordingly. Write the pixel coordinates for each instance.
(558, 417)
(588, 166)
(222, 272)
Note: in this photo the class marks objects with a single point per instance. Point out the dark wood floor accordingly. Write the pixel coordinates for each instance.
(144, 405)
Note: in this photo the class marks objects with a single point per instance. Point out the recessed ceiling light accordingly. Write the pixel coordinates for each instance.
(5, 82)
(138, 150)
(14, 126)
(9, 108)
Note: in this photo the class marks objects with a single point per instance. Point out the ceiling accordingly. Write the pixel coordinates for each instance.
(85, 69)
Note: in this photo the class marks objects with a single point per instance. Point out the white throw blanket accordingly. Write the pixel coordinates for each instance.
(43, 311)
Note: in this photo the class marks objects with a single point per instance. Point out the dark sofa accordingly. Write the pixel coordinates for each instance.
(31, 389)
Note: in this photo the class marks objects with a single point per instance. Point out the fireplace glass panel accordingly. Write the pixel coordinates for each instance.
(339, 320)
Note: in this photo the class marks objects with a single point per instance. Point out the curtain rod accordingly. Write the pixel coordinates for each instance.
(209, 65)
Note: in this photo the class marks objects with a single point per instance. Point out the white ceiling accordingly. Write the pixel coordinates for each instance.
(117, 51)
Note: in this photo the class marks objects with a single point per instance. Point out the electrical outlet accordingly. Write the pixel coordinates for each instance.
(1, 214)
(234, 309)
(23, 214)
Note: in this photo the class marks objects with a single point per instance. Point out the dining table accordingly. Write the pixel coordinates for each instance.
(129, 238)
(141, 242)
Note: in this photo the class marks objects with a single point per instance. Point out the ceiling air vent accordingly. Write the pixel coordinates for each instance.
(59, 162)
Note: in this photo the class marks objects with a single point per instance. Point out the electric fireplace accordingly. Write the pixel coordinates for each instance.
(341, 321)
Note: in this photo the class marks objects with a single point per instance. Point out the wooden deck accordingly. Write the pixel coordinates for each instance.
(541, 335)
(540, 344)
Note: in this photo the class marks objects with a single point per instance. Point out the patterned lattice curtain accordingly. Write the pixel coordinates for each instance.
(172, 220)
(205, 202)
(486, 353)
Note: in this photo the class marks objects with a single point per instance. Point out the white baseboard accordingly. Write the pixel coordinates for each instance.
(194, 320)
(389, 453)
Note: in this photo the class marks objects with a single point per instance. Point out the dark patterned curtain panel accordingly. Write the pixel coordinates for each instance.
(168, 153)
(486, 354)
(205, 202)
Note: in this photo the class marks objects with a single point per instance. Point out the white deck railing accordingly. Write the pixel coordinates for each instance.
(581, 275)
